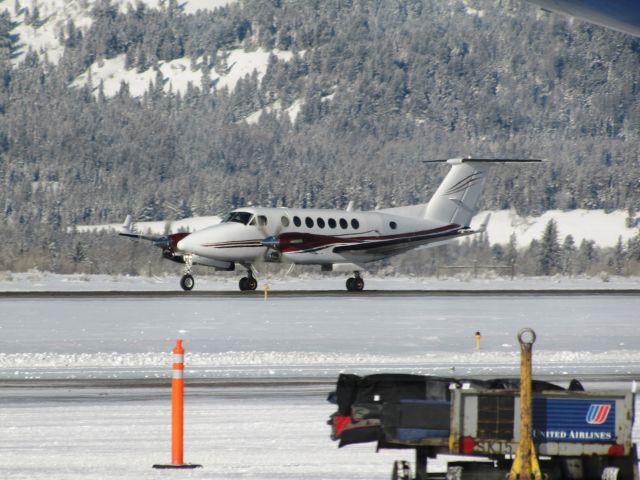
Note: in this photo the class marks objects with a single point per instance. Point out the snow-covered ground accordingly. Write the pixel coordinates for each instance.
(314, 336)
(604, 228)
(267, 433)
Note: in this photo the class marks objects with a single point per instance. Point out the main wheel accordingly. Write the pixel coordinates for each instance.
(243, 283)
(252, 283)
(350, 283)
(358, 284)
(187, 282)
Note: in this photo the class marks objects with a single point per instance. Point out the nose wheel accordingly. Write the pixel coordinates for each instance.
(186, 281)
(248, 283)
(355, 283)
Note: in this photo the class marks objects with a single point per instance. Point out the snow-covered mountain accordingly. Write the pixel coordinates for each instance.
(177, 73)
(38, 22)
(308, 104)
(38, 27)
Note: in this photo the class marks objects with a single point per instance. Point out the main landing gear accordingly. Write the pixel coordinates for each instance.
(355, 283)
(249, 282)
(187, 282)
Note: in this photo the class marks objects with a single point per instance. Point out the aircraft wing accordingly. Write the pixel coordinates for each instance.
(620, 15)
(150, 230)
(377, 250)
(128, 229)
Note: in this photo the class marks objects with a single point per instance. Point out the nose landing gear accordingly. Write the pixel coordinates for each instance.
(187, 282)
(355, 283)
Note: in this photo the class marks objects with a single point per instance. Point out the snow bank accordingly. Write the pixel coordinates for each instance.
(256, 364)
(602, 227)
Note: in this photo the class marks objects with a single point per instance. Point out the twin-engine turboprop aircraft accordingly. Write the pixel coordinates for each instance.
(330, 238)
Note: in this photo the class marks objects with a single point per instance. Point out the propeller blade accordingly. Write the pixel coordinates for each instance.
(290, 269)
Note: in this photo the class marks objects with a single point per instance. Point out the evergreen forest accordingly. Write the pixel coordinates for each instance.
(383, 85)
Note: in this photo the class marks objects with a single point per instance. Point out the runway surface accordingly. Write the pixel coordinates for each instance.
(85, 376)
(317, 293)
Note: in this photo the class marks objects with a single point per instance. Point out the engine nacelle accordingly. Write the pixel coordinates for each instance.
(217, 264)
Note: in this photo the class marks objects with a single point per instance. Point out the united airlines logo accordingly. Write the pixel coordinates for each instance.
(598, 413)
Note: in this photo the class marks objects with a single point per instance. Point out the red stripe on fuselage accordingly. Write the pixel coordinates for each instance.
(296, 242)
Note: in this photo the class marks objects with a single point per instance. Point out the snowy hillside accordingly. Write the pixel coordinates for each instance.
(39, 25)
(177, 73)
(40, 21)
(604, 228)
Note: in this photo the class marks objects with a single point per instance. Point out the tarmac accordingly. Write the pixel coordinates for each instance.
(316, 293)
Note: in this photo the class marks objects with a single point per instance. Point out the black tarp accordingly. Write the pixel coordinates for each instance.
(395, 407)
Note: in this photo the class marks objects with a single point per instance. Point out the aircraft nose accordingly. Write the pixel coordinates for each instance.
(188, 244)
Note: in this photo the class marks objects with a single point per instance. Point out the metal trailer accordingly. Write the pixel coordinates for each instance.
(577, 435)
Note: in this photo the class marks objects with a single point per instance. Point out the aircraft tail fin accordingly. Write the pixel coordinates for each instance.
(456, 199)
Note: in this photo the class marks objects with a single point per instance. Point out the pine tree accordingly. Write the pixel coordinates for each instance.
(550, 258)
(617, 260)
(568, 254)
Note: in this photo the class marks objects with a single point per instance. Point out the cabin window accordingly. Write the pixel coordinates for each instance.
(262, 220)
(332, 223)
(355, 224)
(393, 225)
(343, 223)
(285, 221)
(296, 221)
(238, 217)
(320, 222)
(308, 222)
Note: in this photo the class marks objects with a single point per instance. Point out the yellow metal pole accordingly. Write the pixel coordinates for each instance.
(266, 292)
(525, 465)
(478, 337)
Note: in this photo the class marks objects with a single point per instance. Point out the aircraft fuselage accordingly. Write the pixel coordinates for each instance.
(313, 236)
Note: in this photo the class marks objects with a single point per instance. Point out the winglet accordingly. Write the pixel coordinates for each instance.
(484, 224)
(127, 227)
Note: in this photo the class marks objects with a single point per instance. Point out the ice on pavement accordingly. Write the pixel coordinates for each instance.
(266, 432)
(240, 337)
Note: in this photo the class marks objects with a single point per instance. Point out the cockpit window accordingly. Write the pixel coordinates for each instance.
(238, 217)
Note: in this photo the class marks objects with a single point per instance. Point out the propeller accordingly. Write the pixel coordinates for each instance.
(271, 240)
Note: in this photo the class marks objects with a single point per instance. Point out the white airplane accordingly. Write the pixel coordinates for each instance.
(333, 239)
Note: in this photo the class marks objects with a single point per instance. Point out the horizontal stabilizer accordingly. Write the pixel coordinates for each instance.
(459, 161)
